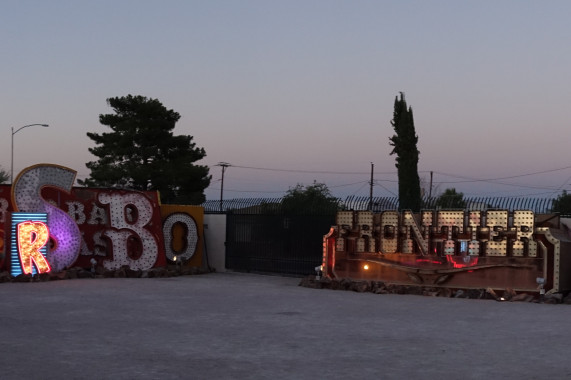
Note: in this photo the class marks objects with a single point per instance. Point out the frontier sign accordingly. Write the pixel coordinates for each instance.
(452, 248)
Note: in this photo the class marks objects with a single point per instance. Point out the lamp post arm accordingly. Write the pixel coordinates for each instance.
(12, 158)
(26, 126)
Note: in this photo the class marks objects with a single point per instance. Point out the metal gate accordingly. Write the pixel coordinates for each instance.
(285, 244)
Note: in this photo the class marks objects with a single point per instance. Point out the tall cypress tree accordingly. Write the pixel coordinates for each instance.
(404, 146)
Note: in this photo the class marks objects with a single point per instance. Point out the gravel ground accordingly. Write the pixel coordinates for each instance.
(244, 326)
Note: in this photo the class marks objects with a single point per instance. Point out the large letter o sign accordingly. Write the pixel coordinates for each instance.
(191, 236)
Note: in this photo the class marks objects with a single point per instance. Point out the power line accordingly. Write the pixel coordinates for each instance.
(377, 181)
(512, 185)
(251, 191)
(471, 179)
(466, 179)
(378, 184)
(285, 191)
(360, 188)
(305, 171)
(347, 184)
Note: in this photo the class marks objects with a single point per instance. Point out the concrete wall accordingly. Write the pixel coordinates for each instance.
(215, 238)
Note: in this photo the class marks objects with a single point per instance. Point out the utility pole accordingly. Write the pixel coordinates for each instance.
(371, 189)
(430, 188)
(224, 165)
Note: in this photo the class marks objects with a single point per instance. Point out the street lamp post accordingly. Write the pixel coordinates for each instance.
(12, 160)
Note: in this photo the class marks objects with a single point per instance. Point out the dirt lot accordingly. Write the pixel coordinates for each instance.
(237, 326)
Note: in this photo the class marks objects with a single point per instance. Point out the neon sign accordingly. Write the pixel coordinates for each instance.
(114, 228)
(29, 238)
(439, 233)
(452, 248)
(26, 193)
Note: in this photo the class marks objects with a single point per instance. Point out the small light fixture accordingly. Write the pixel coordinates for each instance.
(366, 267)
(318, 272)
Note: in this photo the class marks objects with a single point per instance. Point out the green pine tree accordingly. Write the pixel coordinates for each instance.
(312, 199)
(451, 199)
(562, 204)
(142, 153)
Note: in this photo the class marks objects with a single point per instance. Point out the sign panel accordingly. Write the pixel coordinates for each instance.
(29, 243)
(113, 228)
(447, 248)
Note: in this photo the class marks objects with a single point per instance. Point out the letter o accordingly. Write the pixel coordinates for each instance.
(191, 236)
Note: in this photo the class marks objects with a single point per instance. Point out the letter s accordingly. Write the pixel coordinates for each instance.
(26, 197)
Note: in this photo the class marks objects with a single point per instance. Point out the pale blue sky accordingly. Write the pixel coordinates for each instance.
(303, 86)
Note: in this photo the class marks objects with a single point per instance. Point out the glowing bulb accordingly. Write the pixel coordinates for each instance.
(366, 267)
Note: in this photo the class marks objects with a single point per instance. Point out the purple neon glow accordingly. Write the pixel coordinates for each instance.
(63, 230)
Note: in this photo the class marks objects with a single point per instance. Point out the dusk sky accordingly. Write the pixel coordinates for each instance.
(292, 92)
